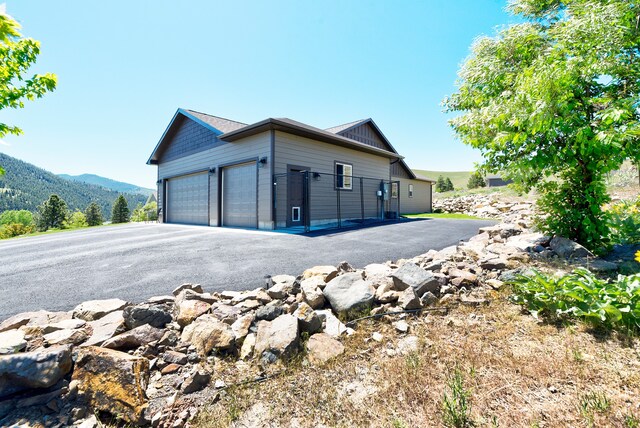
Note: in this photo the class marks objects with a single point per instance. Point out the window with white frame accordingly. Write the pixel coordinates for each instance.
(411, 190)
(344, 174)
(394, 190)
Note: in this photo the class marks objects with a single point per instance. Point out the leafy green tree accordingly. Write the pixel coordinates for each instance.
(148, 212)
(120, 211)
(553, 103)
(52, 213)
(76, 220)
(17, 55)
(93, 215)
(476, 180)
(22, 217)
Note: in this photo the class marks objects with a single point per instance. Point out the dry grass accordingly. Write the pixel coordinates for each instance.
(518, 372)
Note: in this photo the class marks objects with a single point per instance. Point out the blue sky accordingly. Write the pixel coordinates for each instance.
(124, 67)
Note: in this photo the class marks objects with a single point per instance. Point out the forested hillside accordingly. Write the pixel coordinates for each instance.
(25, 186)
(110, 184)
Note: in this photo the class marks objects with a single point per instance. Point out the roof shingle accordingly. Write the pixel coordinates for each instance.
(220, 123)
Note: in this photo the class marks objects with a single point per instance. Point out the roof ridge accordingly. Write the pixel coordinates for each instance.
(347, 125)
(217, 117)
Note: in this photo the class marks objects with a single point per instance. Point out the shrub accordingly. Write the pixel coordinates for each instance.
(456, 405)
(14, 229)
(149, 212)
(22, 217)
(581, 294)
(624, 218)
(76, 220)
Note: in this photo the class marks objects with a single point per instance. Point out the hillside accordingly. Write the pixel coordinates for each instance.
(458, 178)
(108, 183)
(25, 186)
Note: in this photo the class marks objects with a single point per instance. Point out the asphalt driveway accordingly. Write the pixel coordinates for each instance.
(137, 261)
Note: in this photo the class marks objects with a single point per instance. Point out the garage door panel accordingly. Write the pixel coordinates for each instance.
(239, 191)
(188, 199)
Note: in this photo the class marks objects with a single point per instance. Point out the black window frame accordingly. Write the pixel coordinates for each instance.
(339, 178)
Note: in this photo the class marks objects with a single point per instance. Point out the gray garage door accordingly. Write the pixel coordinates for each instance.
(239, 195)
(188, 199)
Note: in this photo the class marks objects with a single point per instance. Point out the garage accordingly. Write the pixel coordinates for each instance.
(239, 195)
(188, 199)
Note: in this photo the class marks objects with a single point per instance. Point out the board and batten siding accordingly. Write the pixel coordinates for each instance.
(421, 200)
(321, 157)
(250, 148)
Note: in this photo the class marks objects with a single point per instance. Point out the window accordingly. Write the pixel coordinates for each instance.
(344, 174)
(394, 190)
(411, 190)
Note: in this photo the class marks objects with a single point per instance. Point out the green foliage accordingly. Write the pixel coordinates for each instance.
(17, 55)
(15, 229)
(25, 186)
(22, 217)
(456, 404)
(594, 402)
(93, 215)
(555, 98)
(120, 211)
(581, 294)
(76, 220)
(52, 213)
(444, 184)
(624, 221)
(476, 180)
(149, 212)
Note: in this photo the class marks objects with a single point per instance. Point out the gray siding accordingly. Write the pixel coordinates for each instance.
(248, 148)
(186, 138)
(366, 134)
(321, 157)
(421, 201)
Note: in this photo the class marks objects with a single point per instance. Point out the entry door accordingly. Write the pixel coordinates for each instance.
(295, 196)
(239, 195)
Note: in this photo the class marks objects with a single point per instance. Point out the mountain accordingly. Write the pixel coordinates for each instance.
(25, 187)
(108, 183)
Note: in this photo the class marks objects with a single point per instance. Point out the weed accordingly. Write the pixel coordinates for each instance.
(456, 405)
(577, 355)
(630, 421)
(398, 423)
(592, 403)
(413, 361)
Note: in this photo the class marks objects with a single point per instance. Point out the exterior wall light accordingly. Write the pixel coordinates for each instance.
(316, 176)
(212, 170)
(262, 162)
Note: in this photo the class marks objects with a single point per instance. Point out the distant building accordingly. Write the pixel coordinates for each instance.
(496, 181)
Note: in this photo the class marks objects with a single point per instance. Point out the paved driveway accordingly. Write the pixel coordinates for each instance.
(137, 261)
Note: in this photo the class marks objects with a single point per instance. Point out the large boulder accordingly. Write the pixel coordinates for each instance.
(327, 273)
(67, 336)
(187, 310)
(323, 347)
(142, 335)
(349, 292)
(568, 249)
(33, 318)
(280, 336)
(411, 275)
(408, 300)
(105, 328)
(157, 316)
(12, 341)
(113, 381)
(207, 333)
(95, 309)
(32, 370)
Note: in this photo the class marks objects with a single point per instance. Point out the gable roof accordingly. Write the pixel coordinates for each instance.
(219, 123)
(342, 129)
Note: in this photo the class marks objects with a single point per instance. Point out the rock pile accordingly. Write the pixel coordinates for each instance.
(488, 206)
(142, 363)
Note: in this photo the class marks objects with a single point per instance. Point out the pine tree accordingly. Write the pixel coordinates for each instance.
(448, 185)
(440, 185)
(52, 213)
(93, 213)
(475, 181)
(120, 212)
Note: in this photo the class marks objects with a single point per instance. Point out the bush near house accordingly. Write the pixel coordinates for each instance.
(624, 222)
(148, 212)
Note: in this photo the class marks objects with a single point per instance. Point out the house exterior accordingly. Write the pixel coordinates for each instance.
(280, 173)
(496, 181)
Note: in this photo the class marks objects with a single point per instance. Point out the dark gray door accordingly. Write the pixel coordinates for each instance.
(295, 196)
(188, 199)
(239, 195)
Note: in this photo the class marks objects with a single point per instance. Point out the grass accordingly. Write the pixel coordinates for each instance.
(458, 178)
(54, 231)
(458, 216)
(516, 371)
